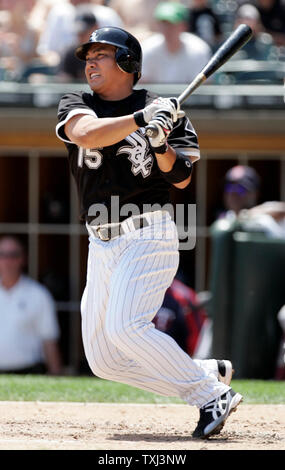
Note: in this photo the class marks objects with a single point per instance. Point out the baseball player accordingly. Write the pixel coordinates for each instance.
(133, 259)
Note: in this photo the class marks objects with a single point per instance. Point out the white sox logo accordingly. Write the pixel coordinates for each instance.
(138, 154)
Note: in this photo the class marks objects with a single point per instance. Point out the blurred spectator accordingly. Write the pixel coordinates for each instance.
(272, 14)
(171, 316)
(173, 55)
(58, 32)
(71, 68)
(241, 190)
(204, 22)
(137, 16)
(39, 13)
(261, 45)
(18, 40)
(184, 318)
(105, 15)
(29, 329)
(268, 218)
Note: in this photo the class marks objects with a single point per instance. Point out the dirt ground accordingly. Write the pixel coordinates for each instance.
(97, 426)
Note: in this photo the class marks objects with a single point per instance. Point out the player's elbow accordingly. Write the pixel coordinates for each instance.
(84, 140)
(81, 131)
(183, 184)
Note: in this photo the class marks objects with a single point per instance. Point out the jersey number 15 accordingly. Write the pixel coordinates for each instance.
(91, 157)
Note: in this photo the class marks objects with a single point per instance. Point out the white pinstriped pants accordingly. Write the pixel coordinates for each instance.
(126, 281)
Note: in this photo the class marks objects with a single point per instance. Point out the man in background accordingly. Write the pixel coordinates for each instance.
(204, 22)
(241, 190)
(29, 330)
(173, 55)
(71, 68)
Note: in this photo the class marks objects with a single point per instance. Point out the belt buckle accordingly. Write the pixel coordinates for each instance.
(104, 238)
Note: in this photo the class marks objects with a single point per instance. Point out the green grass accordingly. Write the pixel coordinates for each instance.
(77, 389)
(91, 389)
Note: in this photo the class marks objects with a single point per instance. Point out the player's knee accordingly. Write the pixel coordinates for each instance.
(101, 369)
(124, 333)
(115, 334)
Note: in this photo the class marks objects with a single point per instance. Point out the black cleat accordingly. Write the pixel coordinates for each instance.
(214, 414)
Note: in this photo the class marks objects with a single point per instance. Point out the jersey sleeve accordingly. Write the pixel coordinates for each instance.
(70, 105)
(184, 137)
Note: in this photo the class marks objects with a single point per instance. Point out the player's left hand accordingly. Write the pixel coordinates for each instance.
(163, 121)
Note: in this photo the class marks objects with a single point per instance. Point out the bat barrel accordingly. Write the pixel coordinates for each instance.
(236, 40)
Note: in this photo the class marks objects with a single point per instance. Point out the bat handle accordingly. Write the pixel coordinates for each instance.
(151, 130)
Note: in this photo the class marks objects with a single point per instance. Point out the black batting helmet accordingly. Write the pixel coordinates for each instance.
(128, 54)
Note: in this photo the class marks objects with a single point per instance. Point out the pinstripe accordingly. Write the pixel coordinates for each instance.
(151, 343)
(126, 282)
(161, 334)
(96, 306)
(117, 319)
(91, 304)
(102, 351)
(88, 318)
(103, 347)
(131, 350)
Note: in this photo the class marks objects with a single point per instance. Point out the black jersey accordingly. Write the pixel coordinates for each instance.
(126, 172)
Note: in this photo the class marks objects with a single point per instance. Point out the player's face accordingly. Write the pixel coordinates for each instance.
(101, 69)
(236, 199)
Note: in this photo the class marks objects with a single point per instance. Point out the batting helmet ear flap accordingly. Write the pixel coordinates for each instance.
(126, 61)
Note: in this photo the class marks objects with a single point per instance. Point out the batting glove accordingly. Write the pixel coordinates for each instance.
(145, 115)
(174, 108)
(163, 122)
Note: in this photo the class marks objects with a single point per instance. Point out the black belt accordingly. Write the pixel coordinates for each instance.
(109, 231)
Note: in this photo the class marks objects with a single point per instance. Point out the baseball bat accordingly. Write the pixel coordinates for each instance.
(235, 41)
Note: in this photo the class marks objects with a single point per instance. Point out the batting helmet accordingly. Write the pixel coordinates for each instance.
(128, 54)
